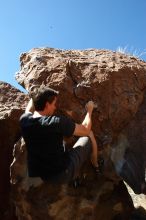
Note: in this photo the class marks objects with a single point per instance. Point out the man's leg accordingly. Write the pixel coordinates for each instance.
(94, 153)
(80, 153)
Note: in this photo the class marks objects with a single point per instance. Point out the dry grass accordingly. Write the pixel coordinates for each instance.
(131, 51)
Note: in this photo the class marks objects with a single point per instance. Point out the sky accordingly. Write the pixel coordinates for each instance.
(68, 24)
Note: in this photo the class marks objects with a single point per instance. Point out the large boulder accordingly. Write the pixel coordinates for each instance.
(97, 197)
(12, 103)
(117, 83)
(113, 80)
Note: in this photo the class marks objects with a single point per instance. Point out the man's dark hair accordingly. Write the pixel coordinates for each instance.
(40, 95)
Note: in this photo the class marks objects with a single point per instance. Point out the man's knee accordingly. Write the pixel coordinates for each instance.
(82, 148)
(84, 142)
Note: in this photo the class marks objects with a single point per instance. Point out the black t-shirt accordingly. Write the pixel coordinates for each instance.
(44, 141)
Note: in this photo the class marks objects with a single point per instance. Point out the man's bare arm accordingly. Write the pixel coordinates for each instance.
(85, 128)
(30, 107)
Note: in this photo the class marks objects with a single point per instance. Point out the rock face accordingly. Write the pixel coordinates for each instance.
(117, 83)
(11, 107)
(95, 197)
(129, 151)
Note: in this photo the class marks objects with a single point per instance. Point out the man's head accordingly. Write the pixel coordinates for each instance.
(44, 97)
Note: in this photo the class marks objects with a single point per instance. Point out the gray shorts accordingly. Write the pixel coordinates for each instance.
(78, 155)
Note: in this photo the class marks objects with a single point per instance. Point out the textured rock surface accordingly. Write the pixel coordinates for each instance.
(11, 106)
(117, 83)
(96, 198)
(132, 143)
